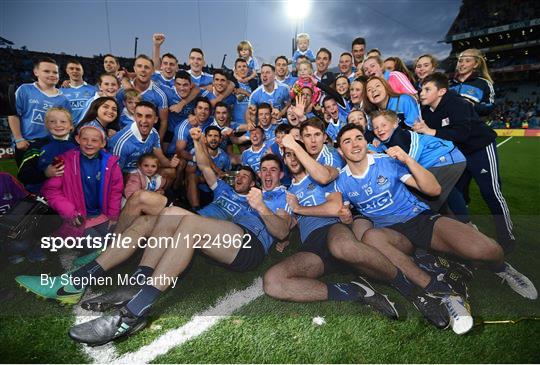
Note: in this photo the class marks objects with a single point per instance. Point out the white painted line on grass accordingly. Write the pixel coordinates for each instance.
(99, 354)
(196, 326)
(506, 140)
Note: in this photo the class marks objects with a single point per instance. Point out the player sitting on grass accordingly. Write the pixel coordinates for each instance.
(376, 186)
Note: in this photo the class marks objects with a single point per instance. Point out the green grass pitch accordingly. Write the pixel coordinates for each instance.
(271, 331)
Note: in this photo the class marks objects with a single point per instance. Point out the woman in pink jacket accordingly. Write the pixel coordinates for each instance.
(88, 192)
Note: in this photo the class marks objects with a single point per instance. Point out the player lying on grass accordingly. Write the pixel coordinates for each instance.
(377, 186)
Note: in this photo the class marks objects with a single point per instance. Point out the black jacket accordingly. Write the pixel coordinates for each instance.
(455, 120)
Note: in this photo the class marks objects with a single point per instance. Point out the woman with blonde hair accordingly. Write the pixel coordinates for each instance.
(473, 81)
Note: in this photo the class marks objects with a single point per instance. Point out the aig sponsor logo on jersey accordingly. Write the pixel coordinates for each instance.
(77, 104)
(229, 205)
(377, 202)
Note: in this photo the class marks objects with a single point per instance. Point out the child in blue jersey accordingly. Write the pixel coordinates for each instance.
(245, 52)
(40, 159)
(103, 114)
(377, 186)
(252, 156)
(32, 102)
(302, 42)
(195, 182)
(76, 90)
(381, 97)
(438, 156)
(139, 138)
(131, 98)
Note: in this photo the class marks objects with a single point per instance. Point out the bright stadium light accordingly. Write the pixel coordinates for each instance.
(298, 9)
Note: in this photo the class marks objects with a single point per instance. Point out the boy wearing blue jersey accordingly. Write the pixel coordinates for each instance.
(376, 186)
(320, 161)
(320, 251)
(335, 117)
(282, 71)
(167, 64)
(140, 138)
(76, 90)
(149, 91)
(196, 64)
(271, 92)
(221, 90)
(220, 162)
(252, 156)
(32, 101)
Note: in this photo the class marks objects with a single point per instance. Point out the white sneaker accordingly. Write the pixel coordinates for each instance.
(518, 282)
(461, 319)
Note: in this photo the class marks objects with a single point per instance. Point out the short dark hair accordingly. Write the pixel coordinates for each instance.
(182, 74)
(312, 122)
(220, 72)
(346, 54)
(202, 99)
(281, 58)
(212, 128)
(346, 128)
(438, 78)
(328, 98)
(325, 50)
(170, 55)
(73, 60)
(46, 60)
(272, 157)
(251, 172)
(259, 128)
(240, 60)
(144, 57)
(268, 65)
(264, 106)
(283, 128)
(358, 40)
(198, 50)
(111, 55)
(148, 105)
(221, 104)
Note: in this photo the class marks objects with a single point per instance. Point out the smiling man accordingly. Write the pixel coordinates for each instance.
(149, 90)
(139, 138)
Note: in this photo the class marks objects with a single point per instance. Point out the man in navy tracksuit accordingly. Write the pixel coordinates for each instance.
(448, 116)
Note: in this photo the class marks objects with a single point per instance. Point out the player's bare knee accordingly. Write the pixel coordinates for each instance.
(272, 282)
(371, 237)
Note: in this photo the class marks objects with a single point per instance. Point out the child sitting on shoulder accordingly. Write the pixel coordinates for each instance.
(245, 52)
(302, 42)
(146, 177)
(306, 80)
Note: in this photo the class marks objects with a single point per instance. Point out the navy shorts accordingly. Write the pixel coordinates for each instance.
(419, 230)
